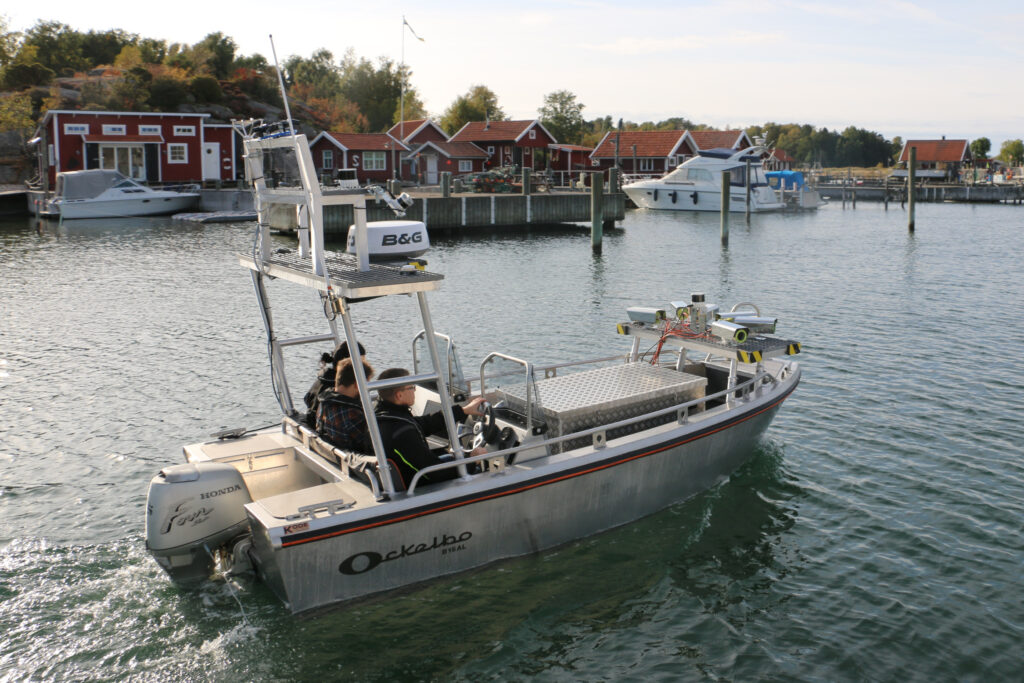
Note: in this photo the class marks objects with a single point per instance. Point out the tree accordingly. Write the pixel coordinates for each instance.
(10, 41)
(980, 148)
(16, 114)
(103, 47)
(1011, 152)
(562, 116)
(218, 53)
(319, 76)
(478, 104)
(166, 93)
(376, 90)
(206, 89)
(58, 47)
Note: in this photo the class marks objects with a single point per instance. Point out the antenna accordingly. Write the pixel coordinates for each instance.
(280, 82)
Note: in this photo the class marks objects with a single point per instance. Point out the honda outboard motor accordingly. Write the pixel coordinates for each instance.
(192, 510)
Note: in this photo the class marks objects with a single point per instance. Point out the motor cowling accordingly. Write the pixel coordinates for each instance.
(193, 509)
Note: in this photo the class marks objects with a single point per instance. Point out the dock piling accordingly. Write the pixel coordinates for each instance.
(526, 181)
(596, 210)
(726, 178)
(747, 184)
(911, 172)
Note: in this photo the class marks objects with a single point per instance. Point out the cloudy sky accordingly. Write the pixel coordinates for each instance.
(913, 69)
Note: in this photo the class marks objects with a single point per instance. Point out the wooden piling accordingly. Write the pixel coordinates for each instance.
(527, 178)
(726, 177)
(885, 192)
(911, 172)
(596, 210)
(747, 184)
(446, 184)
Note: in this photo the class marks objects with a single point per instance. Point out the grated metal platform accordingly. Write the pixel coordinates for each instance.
(587, 399)
(346, 279)
(757, 347)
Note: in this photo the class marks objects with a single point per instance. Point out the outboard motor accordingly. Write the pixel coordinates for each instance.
(192, 510)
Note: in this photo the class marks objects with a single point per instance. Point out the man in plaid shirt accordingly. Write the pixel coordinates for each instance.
(340, 418)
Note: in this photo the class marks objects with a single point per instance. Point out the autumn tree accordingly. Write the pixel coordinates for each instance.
(478, 104)
(562, 116)
(375, 89)
(1011, 152)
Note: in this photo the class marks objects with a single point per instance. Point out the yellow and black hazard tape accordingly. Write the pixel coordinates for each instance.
(793, 349)
(622, 328)
(749, 356)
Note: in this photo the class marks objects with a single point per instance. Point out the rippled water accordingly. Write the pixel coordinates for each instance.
(876, 535)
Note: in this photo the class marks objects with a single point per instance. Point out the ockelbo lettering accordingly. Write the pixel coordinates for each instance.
(369, 559)
(220, 492)
(182, 515)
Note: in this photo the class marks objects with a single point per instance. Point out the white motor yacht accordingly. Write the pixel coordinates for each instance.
(696, 185)
(99, 193)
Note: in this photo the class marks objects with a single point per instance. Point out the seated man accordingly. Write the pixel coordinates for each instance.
(404, 435)
(324, 381)
(340, 418)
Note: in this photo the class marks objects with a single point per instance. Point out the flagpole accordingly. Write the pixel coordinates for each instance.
(401, 109)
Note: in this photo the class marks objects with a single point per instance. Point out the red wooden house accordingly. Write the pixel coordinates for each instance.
(415, 133)
(432, 158)
(222, 152)
(940, 159)
(151, 147)
(656, 152)
(508, 143)
(373, 156)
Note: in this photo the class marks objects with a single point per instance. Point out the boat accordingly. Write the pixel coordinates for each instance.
(99, 193)
(573, 449)
(696, 185)
(794, 191)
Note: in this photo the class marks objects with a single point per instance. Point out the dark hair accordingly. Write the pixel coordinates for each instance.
(345, 375)
(388, 394)
(342, 351)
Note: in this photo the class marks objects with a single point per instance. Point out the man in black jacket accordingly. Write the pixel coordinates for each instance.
(340, 418)
(404, 435)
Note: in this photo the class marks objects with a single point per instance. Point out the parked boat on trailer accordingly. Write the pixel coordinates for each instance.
(573, 449)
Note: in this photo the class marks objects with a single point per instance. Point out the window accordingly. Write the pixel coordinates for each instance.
(114, 129)
(375, 161)
(76, 129)
(177, 153)
(465, 165)
(595, 162)
(51, 158)
(533, 134)
(647, 164)
(149, 130)
(328, 158)
(184, 130)
(490, 150)
(700, 175)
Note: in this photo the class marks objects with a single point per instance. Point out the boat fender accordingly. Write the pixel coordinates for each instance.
(694, 196)
(655, 195)
(672, 196)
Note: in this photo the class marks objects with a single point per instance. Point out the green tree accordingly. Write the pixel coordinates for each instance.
(58, 47)
(562, 116)
(206, 89)
(166, 93)
(218, 53)
(375, 90)
(897, 149)
(980, 148)
(10, 41)
(16, 114)
(319, 76)
(131, 92)
(103, 47)
(478, 104)
(1011, 152)
(152, 51)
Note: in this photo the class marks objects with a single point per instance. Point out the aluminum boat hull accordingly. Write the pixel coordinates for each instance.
(520, 511)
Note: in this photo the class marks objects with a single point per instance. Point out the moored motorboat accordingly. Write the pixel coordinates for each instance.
(574, 448)
(696, 185)
(100, 193)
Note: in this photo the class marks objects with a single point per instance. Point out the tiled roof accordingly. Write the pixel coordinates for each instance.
(456, 150)
(781, 155)
(483, 131)
(572, 148)
(409, 128)
(370, 142)
(712, 139)
(936, 150)
(649, 143)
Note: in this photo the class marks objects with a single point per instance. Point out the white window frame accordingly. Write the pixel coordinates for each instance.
(490, 150)
(646, 164)
(114, 129)
(51, 157)
(183, 131)
(172, 147)
(533, 134)
(76, 129)
(149, 130)
(595, 162)
(465, 165)
(328, 159)
(375, 161)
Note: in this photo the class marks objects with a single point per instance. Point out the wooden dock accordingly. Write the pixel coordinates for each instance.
(469, 210)
(947, 192)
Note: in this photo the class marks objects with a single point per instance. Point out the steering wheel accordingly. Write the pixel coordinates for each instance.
(486, 430)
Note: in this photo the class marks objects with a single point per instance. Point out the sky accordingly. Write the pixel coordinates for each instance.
(909, 69)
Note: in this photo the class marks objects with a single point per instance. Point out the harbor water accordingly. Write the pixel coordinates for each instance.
(877, 534)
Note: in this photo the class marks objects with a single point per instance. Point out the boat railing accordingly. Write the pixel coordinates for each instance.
(598, 434)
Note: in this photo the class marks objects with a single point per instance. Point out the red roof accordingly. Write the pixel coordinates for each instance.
(364, 142)
(572, 148)
(649, 143)
(936, 150)
(411, 126)
(487, 131)
(456, 150)
(713, 139)
(781, 155)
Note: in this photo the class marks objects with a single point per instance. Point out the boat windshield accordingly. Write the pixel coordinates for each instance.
(87, 184)
(738, 175)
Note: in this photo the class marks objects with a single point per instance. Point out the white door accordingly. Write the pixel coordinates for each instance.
(431, 170)
(211, 161)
